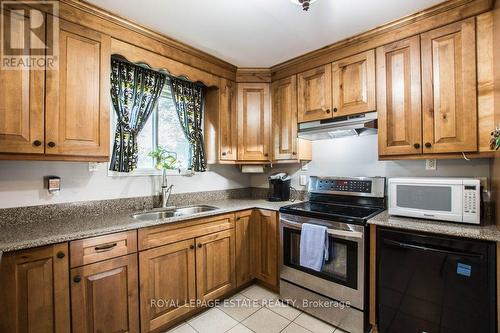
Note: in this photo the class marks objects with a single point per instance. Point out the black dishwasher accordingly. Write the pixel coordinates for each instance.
(430, 283)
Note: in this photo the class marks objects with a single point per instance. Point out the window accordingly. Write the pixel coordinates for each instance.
(163, 129)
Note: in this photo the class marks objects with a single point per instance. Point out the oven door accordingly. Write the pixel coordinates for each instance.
(342, 276)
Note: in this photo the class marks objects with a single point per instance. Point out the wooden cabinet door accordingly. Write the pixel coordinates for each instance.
(398, 98)
(265, 249)
(34, 293)
(167, 283)
(354, 84)
(449, 96)
(21, 101)
(104, 296)
(254, 121)
(215, 265)
(314, 96)
(78, 103)
(284, 109)
(228, 136)
(244, 255)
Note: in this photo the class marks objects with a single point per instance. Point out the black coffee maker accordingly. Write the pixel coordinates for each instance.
(279, 187)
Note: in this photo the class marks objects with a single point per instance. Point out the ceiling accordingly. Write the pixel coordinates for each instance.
(261, 33)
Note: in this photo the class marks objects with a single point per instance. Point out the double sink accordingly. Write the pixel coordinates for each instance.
(172, 212)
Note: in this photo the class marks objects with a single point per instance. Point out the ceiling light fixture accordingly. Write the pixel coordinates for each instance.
(304, 3)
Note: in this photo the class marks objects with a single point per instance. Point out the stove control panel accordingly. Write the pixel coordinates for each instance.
(361, 186)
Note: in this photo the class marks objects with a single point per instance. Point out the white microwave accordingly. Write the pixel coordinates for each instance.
(446, 199)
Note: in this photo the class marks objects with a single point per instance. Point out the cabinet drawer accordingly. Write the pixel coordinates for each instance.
(90, 250)
(167, 234)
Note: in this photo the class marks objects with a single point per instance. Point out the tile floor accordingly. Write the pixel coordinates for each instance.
(254, 309)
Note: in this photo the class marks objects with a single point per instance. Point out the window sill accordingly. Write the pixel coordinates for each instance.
(151, 172)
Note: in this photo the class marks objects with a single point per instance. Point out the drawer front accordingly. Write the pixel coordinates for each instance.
(167, 234)
(90, 250)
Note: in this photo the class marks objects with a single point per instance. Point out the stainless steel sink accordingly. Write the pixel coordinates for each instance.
(173, 212)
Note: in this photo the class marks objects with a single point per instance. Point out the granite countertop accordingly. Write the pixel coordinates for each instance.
(487, 232)
(37, 232)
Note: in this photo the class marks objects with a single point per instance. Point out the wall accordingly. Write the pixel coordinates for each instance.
(21, 183)
(358, 156)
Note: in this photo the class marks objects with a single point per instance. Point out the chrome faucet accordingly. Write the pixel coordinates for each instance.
(165, 191)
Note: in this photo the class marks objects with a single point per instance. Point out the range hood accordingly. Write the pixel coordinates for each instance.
(354, 125)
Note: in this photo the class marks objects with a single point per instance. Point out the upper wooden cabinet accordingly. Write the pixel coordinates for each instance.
(284, 110)
(449, 95)
(354, 84)
(228, 136)
(21, 103)
(78, 102)
(314, 96)
(398, 98)
(254, 122)
(34, 293)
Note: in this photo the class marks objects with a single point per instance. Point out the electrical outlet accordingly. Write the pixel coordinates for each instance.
(484, 183)
(302, 180)
(93, 166)
(430, 164)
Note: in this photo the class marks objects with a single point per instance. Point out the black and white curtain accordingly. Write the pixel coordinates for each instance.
(135, 90)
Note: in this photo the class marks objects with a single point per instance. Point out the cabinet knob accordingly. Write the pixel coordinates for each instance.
(327, 111)
(51, 144)
(77, 279)
(335, 110)
(60, 254)
(416, 145)
(224, 154)
(266, 155)
(238, 218)
(428, 145)
(37, 143)
(200, 245)
(294, 153)
(191, 247)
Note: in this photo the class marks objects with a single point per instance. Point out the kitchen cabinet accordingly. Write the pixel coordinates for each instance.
(166, 273)
(449, 94)
(21, 103)
(354, 84)
(215, 265)
(254, 122)
(78, 100)
(228, 135)
(314, 94)
(265, 246)
(284, 120)
(399, 98)
(244, 256)
(104, 296)
(34, 293)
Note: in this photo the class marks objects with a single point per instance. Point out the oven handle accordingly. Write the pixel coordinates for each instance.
(333, 232)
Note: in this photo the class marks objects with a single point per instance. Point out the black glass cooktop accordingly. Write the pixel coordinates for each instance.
(332, 211)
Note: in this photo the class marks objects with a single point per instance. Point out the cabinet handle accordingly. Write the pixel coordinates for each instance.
(191, 247)
(77, 279)
(60, 254)
(106, 247)
(428, 145)
(416, 145)
(327, 111)
(200, 245)
(335, 110)
(51, 144)
(37, 143)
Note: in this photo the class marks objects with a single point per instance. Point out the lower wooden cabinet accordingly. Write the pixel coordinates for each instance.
(265, 246)
(104, 296)
(244, 258)
(167, 283)
(34, 291)
(215, 265)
